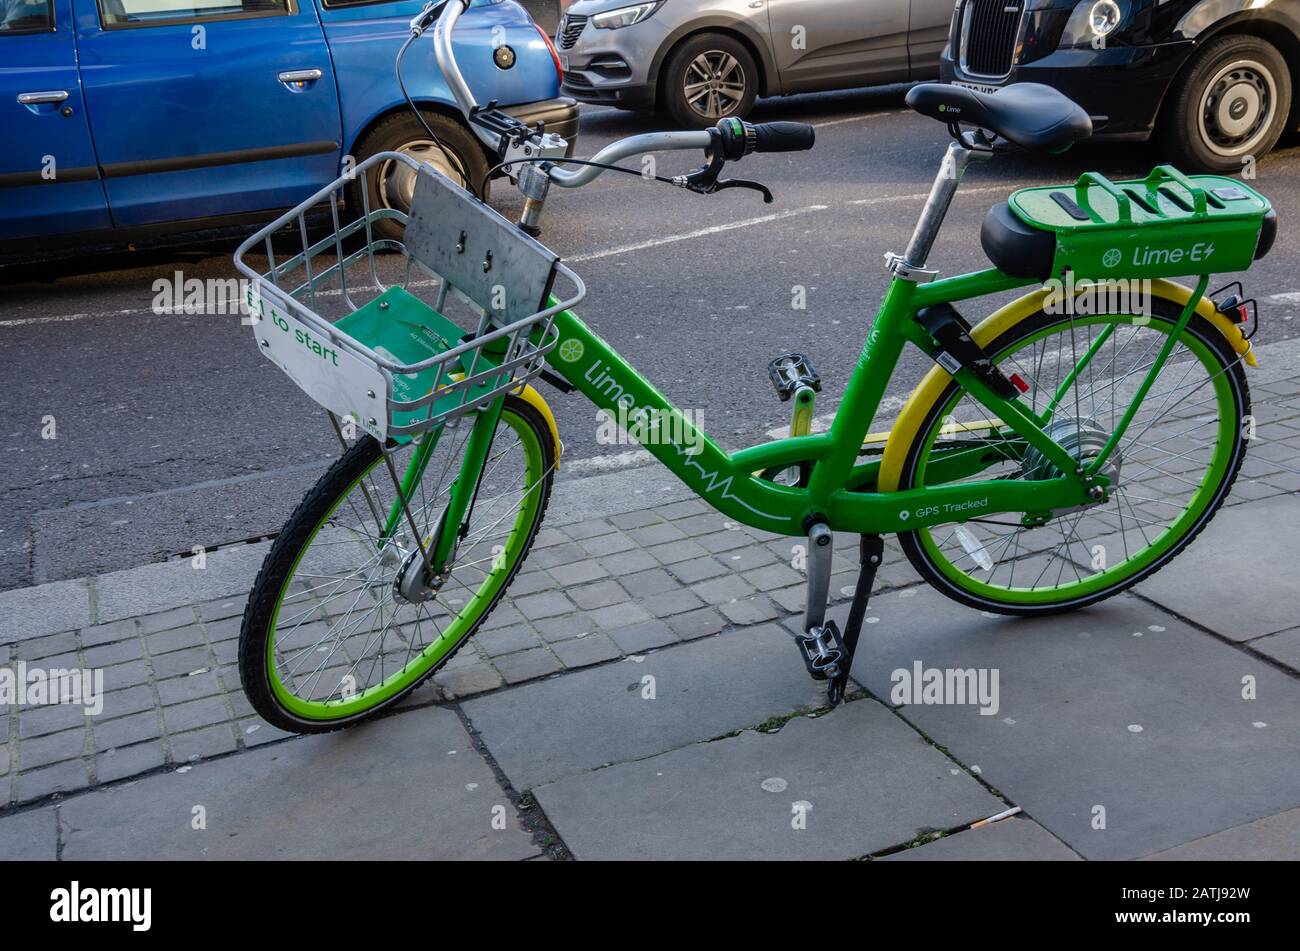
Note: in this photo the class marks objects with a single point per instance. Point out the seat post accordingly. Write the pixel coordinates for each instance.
(955, 160)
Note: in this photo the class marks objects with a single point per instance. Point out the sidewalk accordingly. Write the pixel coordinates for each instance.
(638, 695)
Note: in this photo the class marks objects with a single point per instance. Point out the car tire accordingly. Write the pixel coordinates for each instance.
(389, 184)
(1230, 102)
(724, 65)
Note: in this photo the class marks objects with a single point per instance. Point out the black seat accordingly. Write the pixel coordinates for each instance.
(1035, 117)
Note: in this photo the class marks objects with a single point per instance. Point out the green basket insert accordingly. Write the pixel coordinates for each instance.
(402, 328)
(1164, 225)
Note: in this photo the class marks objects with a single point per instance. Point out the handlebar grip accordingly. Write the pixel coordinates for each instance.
(783, 136)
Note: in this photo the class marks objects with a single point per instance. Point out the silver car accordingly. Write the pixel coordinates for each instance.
(700, 60)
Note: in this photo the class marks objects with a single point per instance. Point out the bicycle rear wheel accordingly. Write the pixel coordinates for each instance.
(1175, 464)
(332, 634)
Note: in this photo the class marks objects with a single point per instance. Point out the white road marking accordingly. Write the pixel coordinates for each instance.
(1290, 297)
(64, 317)
(702, 233)
(922, 196)
(870, 115)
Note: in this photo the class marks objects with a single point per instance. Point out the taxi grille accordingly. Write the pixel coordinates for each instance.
(989, 36)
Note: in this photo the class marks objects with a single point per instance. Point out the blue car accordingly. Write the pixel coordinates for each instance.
(122, 120)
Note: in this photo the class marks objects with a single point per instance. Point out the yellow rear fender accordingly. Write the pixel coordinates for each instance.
(908, 425)
(534, 399)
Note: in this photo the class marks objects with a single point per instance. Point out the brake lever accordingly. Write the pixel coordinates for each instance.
(704, 180)
(743, 183)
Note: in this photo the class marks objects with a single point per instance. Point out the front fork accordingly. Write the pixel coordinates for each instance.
(438, 548)
(465, 489)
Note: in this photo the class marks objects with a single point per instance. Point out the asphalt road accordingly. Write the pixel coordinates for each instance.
(173, 432)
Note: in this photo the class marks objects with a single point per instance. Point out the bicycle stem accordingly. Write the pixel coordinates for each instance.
(446, 60)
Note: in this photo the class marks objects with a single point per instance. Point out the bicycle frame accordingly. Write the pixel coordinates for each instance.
(840, 491)
(839, 488)
(730, 482)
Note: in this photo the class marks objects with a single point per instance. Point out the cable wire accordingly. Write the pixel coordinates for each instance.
(452, 157)
(571, 161)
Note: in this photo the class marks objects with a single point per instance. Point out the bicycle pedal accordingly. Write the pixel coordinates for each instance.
(790, 371)
(823, 651)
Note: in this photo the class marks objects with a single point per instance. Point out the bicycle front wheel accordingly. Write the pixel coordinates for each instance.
(1171, 470)
(335, 630)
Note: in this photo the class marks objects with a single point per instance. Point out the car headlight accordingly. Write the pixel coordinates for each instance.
(624, 16)
(1093, 21)
(1103, 17)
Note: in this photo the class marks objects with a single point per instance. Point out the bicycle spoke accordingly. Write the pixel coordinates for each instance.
(1084, 382)
(344, 627)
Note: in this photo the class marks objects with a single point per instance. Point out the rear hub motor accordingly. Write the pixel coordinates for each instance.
(1083, 439)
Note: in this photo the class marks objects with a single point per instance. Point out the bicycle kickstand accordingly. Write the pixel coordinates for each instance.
(871, 553)
(826, 653)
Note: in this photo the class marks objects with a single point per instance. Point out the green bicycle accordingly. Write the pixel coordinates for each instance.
(1059, 451)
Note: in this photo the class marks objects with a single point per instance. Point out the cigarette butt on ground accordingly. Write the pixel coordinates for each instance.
(992, 819)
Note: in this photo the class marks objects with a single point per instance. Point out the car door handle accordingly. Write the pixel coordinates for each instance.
(38, 98)
(300, 75)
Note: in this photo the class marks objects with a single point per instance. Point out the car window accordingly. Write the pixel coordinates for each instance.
(123, 13)
(26, 16)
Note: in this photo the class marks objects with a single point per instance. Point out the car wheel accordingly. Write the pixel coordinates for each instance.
(390, 184)
(1230, 106)
(709, 77)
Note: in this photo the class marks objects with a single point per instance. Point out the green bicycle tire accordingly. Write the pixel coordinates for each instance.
(268, 696)
(1234, 397)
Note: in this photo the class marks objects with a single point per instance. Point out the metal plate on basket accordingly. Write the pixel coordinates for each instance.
(331, 376)
(477, 251)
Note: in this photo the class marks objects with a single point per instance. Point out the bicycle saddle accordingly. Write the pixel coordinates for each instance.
(1032, 116)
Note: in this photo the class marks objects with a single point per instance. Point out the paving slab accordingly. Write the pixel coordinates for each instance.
(1283, 648)
(1275, 838)
(410, 786)
(173, 584)
(580, 493)
(1009, 840)
(858, 779)
(46, 609)
(1118, 707)
(543, 731)
(1235, 578)
(29, 836)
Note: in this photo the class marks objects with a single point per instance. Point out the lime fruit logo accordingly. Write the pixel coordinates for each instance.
(1112, 257)
(571, 351)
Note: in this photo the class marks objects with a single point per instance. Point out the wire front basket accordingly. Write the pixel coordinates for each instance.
(460, 314)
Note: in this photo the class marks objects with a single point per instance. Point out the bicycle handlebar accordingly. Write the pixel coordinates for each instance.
(783, 137)
(633, 145)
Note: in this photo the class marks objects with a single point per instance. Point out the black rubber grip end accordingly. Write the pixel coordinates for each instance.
(783, 137)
